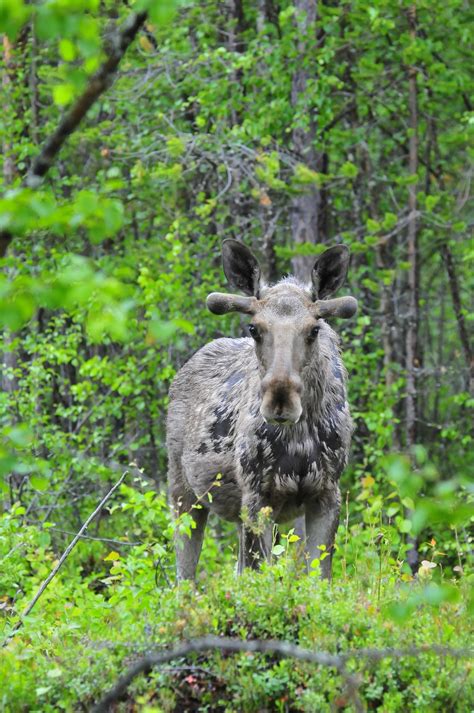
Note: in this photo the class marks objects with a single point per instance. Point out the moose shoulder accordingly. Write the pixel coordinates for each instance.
(268, 412)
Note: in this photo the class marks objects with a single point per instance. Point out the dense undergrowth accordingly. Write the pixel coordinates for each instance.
(115, 601)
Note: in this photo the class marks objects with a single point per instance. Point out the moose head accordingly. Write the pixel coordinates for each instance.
(286, 321)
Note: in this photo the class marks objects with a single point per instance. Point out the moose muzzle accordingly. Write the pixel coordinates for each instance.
(281, 399)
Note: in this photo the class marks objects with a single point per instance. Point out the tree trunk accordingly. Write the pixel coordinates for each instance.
(458, 311)
(412, 254)
(305, 207)
(411, 363)
(9, 382)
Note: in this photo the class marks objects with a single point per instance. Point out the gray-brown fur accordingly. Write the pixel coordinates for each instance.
(270, 415)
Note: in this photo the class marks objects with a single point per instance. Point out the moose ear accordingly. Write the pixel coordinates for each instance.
(241, 267)
(329, 271)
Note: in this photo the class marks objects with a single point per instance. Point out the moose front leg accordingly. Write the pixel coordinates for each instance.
(188, 548)
(255, 533)
(322, 520)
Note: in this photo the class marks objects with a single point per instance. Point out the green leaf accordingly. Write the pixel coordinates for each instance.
(54, 673)
(348, 170)
(372, 226)
(63, 94)
(431, 202)
(306, 176)
(389, 221)
(176, 146)
(20, 436)
(39, 482)
(13, 15)
(160, 12)
(404, 526)
(67, 50)
(42, 690)
(293, 538)
(161, 331)
(436, 594)
(278, 550)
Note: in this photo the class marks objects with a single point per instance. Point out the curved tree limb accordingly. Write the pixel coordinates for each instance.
(97, 85)
(209, 643)
(281, 648)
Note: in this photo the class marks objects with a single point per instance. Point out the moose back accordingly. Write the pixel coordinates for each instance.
(268, 412)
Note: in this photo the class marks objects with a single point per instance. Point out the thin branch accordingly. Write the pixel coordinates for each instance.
(99, 539)
(63, 557)
(98, 84)
(282, 648)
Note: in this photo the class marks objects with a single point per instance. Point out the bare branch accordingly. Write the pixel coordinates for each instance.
(107, 540)
(208, 643)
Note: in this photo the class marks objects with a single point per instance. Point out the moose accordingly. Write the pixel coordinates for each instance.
(267, 414)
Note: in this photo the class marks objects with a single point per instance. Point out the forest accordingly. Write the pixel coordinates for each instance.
(137, 137)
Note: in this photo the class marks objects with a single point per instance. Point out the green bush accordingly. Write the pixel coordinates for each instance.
(113, 602)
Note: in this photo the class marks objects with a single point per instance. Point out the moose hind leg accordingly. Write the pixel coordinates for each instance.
(322, 520)
(188, 548)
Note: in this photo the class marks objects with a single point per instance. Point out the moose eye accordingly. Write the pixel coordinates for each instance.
(254, 333)
(313, 334)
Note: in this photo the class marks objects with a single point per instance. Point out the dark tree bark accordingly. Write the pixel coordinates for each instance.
(8, 161)
(412, 253)
(33, 86)
(9, 382)
(267, 13)
(411, 341)
(306, 207)
(458, 311)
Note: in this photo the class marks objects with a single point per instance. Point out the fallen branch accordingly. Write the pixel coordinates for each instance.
(98, 84)
(282, 648)
(208, 643)
(63, 558)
